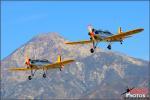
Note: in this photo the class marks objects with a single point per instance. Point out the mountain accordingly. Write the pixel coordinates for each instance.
(104, 74)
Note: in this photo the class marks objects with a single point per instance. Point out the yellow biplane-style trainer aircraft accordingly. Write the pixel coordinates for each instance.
(44, 64)
(97, 36)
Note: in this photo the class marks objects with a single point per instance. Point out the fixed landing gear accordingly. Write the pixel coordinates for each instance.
(120, 42)
(44, 75)
(29, 77)
(60, 69)
(109, 47)
(92, 50)
(94, 47)
(32, 74)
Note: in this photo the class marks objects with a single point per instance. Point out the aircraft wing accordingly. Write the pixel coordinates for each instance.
(123, 35)
(20, 69)
(58, 64)
(23, 68)
(79, 42)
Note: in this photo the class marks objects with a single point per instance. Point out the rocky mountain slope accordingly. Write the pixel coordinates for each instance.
(104, 74)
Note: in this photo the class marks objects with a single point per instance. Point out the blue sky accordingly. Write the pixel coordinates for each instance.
(20, 21)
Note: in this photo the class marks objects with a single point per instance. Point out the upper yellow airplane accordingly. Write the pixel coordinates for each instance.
(97, 36)
(44, 64)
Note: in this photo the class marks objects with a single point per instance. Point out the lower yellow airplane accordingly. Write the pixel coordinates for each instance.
(97, 36)
(44, 64)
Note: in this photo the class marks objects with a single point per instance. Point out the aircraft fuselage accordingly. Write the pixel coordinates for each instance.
(39, 63)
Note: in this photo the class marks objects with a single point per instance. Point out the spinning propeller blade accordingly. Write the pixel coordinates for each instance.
(91, 32)
(27, 59)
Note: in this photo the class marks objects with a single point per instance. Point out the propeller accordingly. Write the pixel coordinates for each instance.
(91, 30)
(27, 59)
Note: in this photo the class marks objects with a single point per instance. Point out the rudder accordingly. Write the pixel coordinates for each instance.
(119, 30)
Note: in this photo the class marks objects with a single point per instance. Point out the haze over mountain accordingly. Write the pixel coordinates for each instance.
(104, 74)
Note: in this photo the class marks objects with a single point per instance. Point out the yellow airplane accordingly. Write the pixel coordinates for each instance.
(97, 36)
(44, 64)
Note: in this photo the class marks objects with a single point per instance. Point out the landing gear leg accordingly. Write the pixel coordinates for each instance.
(44, 75)
(29, 77)
(94, 47)
(32, 74)
(121, 42)
(92, 50)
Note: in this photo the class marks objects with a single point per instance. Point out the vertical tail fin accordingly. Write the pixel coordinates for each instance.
(119, 30)
(59, 54)
(59, 58)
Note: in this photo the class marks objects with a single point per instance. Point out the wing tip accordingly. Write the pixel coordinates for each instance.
(139, 30)
(72, 60)
(11, 69)
(66, 42)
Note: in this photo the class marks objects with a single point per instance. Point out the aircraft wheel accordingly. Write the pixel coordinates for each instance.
(29, 77)
(92, 50)
(44, 75)
(109, 47)
(121, 41)
(60, 69)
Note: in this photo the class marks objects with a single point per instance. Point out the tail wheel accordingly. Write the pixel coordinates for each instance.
(44, 75)
(29, 77)
(92, 50)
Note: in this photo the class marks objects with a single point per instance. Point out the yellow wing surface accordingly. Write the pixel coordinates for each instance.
(79, 42)
(57, 64)
(49, 66)
(23, 68)
(20, 69)
(123, 35)
(113, 38)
